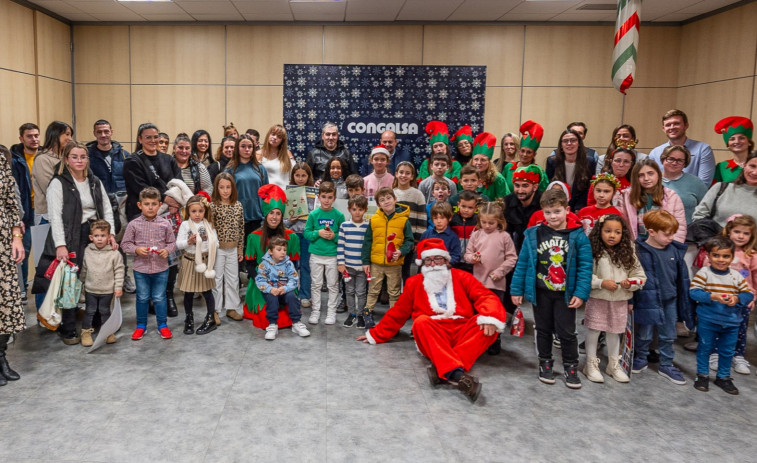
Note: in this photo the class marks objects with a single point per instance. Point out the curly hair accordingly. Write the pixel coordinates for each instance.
(622, 254)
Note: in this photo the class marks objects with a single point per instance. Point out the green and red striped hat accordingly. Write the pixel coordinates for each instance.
(732, 125)
(531, 135)
(437, 132)
(484, 144)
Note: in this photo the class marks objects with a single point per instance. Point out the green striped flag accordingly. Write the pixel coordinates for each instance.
(626, 44)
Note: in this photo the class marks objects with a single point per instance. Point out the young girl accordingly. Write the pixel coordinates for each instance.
(301, 176)
(411, 197)
(617, 272)
(228, 218)
(196, 274)
(603, 187)
(336, 171)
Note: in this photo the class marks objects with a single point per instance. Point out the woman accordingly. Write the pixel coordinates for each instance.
(619, 163)
(201, 147)
(223, 155)
(75, 198)
(739, 197)
(508, 152)
(647, 193)
(194, 173)
(11, 253)
(163, 142)
(624, 136)
(463, 140)
(275, 156)
(57, 135)
(230, 131)
(530, 140)
(493, 185)
(571, 165)
(737, 134)
(690, 188)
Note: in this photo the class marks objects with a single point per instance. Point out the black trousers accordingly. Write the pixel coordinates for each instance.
(96, 303)
(552, 315)
(209, 301)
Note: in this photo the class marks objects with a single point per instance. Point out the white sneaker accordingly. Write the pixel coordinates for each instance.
(129, 285)
(741, 365)
(330, 319)
(314, 317)
(271, 331)
(714, 362)
(300, 329)
(305, 303)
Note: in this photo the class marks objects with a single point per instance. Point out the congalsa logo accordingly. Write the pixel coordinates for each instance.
(371, 126)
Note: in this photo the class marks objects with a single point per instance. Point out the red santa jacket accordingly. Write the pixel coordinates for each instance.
(470, 298)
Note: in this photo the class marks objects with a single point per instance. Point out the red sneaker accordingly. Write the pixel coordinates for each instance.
(165, 333)
(138, 333)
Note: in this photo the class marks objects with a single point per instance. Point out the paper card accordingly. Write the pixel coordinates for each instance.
(110, 326)
(39, 235)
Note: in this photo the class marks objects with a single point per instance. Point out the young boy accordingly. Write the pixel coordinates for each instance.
(388, 239)
(441, 194)
(151, 240)
(439, 165)
(722, 293)
(277, 280)
(349, 259)
(321, 231)
(379, 178)
(664, 297)
(463, 223)
(441, 214)
(102, 272)
(355, 185)
(469, 180)
(554, 273)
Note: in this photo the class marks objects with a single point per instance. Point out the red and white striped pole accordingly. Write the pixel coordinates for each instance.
(626, 44)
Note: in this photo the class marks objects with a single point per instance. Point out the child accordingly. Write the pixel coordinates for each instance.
(388, 239)
(277, 280)
(663, 299)
(469, 181)
(320, 230)
(150, 239)
(604, 187)
(441, 215)
(228, 218)
(441, 193)
(379, 178)
(538, 216)
(349, 260)
(554, 274)
(196, 269)
(102, 272)
(302, 176)
(336, 168)
(721, 293)
(463, 223)
(355, 185)
(615, 266)
(411, 197)
(439, 165)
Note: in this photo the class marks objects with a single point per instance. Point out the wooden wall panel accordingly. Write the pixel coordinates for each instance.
(54, 102)
(657, 65)
(53, 48)
(101, 54)
(373, 45)
(257, 107)
(18, 92)
(109, 102)
(644, 110)
(502, 111)
(17, 37)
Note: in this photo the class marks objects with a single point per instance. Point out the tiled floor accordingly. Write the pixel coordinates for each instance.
(232, 396)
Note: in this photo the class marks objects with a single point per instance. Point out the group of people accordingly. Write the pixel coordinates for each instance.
(617, 233)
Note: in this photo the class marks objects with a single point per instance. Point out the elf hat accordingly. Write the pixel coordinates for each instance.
(531, 135)
(380, 149)
(273, 197)
(531, 174)
(437, 132)
(733, 125)
(431, 247)
(465, 133)
(484, 144)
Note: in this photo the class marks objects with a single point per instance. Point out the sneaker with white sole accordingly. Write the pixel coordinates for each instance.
(314, 317)
(672, 373)
(330, 318)
(305, 303)
(714, 362)
(271, 331)
(741, 365)
(300, 329)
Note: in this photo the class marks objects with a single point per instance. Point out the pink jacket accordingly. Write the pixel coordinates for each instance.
(498, 257)
(671, 202)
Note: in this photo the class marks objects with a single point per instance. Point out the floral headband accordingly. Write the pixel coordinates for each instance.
(629, 145)
(604, 176)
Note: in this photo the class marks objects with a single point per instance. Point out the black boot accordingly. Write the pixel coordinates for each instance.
(496, 346)
(207, 326)
(3, 381)
(5, 370)
(189, 324)
(171, 311)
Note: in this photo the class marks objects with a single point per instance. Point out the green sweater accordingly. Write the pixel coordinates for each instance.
(319, 220)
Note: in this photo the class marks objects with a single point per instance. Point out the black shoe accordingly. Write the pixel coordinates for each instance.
(171, 309)
(350, 320)
(702, 383)
(571, 376)
(189, 324)
(546, 375)
(496, 346)
(360, 324)
(433, 376)
(726, 384)
(342, 307)
(151, 308)
(369, 323)
(469, 386)
(556, 341)
(653, 357)
(3, 381)
(207, 326)
(5, 370)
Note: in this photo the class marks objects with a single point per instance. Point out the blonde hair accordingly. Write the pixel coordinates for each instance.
(283, 153)
(72, 145)
(743, 221)
(493, 209)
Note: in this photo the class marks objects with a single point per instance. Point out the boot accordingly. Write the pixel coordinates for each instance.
(86, 337)
(189, 324)
(615, 371)
(591, 370)
(469, 386)
(496, 346)
(3, 381)
(171, 310)
(5, 370)
(207, 326)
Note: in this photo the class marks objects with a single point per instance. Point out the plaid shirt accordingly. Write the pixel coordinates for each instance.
(140, 233)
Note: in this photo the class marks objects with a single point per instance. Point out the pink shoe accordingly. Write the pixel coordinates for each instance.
(138, 333)
(165, 333)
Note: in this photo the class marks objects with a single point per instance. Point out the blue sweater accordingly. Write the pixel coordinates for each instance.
(708, 281)
(451, 241)
(249, 179)
(271, 274)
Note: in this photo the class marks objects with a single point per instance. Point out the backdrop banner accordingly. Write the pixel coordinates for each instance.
(364, 101)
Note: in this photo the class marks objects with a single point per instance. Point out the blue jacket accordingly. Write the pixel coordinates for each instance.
(647, 302)
(451, 241)
(111, 175)
(23, 180)
(270, 273)
(579, 266)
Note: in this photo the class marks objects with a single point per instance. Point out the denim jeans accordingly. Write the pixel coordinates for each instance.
(304, 263)
(273, 303)
(151, 286)
(712, 336)
(39, 298)
(666, 335)
(27, 241)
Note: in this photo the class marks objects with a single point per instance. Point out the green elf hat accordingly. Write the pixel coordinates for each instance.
(437, 132)
(531, 135)
(465, 133)
(484, 144)
(273, 197)
(531, 174)
(733, 125)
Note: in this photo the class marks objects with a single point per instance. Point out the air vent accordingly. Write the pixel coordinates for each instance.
(598, 7)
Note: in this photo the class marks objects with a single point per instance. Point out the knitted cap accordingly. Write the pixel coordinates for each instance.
(484, 144)
(531, 135)
(273, 197)
(431, 247)
(733, 125)
(530, 174)
(465, 133)
(437, 132)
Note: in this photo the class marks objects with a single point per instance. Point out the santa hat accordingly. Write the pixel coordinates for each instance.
(465, 133)
(563, 185)
(272, 197)
(531, 135)
(484, 144)
(733, 125)
(380, 149)
(530, 174)
(437, 132)
(431, 247)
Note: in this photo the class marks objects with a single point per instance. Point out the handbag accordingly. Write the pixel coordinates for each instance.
(700, 230)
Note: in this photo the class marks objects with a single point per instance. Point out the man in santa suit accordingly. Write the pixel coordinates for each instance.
(455, 318)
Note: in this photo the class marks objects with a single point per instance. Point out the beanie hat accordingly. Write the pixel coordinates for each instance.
(563, 185)
(380, 149)
(465, 133)
(531, 174)
(733, 125)
(437, 132)
(431, 247)
(273, 197)
(531, 135)
(484, 144)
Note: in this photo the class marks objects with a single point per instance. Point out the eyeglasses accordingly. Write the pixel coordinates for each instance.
(78, 158)
(570, 141)
(436, 260)
(675, 160)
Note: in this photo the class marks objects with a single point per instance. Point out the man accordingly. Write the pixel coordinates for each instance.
(580, 128)
(329, 146)
(389, 139)
(455, 318)
(674, 124)
(21, 163)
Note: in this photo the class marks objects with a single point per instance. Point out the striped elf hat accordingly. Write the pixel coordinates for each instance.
(484, 144)
(465, 133)
(732, 125)
(273, 197)
(437, 132)
(531, 135)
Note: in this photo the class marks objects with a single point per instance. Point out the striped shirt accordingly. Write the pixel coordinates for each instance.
(708, 282)
(349, 248)
(144, 233)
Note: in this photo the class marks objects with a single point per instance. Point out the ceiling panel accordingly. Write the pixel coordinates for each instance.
(482, 10)
(203, 7)
(424, 10)
(319, 11)
(588, 16)
(545, 7)
(371, 10)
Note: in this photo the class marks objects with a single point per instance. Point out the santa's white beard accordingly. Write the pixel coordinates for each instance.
(436, 278)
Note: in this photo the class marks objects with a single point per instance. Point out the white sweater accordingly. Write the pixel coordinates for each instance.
(55, 208)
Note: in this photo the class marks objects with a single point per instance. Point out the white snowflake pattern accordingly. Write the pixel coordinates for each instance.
(387, 104)
(312, 114)
(345, 81)
(400, 71)
(444, 72)
(443, 115)
(355, 93)
(476, 83)
(432, 83)
(301, 103)
(463, 84)
(311, 136)
(431, 105)
(300, 125)
(332, 105)
(344, 104)
(312, 93)
(301, 81)
(475, 105)
(443, 93)
(388, 82)
(356, 71)
(300, 146)
(312, 70)
(399, 93)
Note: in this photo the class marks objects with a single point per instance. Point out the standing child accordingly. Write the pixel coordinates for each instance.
(150, 239)
(277, 280)
(441, 215)
(228, 217)
(321, 230)
(603, 187)
(379, 178)
(439, 165)
(355, 185)
(349, 260)
(411, 197)
(302, 176)
(722, 293)
(469, 181)
(336, 171)
(464, 222)
(196, 270)
(615, 268)
(441, 194)
(102, 272)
